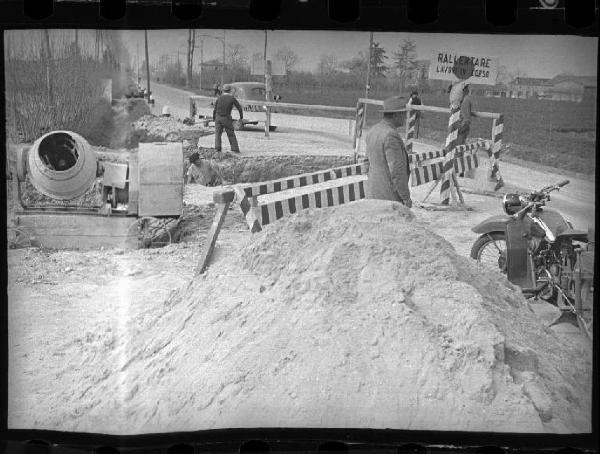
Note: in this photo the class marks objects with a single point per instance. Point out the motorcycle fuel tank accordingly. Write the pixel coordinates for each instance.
(554, 221)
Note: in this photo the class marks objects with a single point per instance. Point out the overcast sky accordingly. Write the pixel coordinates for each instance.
(536, 55)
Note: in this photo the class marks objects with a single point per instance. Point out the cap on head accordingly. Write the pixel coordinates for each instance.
(194, 157)
(226, 88)
(394, 104)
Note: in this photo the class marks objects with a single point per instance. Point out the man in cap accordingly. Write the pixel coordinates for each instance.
(414, 100)
(459, 96)
(222, 117)
(388, 161)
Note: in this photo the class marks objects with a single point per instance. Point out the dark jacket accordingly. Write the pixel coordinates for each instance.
(466, 111)
(388, 164)
(225, 104)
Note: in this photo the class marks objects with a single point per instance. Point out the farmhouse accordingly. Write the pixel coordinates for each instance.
(529, 87)
(573, 88)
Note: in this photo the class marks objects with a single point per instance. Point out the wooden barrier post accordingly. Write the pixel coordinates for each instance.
(411, 119)
(453, 123)
(268, 96)
(222, 200)
(497, 128)
(360, 109)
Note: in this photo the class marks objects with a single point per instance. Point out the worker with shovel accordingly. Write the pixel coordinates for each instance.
(222, 117)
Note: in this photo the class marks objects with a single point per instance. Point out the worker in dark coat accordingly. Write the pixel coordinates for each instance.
(222, 117)
(386, 155)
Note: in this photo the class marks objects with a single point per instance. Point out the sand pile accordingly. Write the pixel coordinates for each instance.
(355, 316)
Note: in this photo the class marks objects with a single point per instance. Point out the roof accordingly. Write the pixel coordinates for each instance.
(530, 81)
(586, 81)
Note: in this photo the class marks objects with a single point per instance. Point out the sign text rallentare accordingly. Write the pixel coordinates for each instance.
(450, 65)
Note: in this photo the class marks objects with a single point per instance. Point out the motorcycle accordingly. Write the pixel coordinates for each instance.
(541, 252)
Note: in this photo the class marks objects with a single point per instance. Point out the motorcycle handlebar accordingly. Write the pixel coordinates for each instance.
(519, 214)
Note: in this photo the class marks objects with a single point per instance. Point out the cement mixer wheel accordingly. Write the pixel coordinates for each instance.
(17, 238)
(148, 232)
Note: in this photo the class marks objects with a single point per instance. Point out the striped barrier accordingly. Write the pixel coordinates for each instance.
(453, 123)
(298, 181)
(417, 158)
(411, 122)
(247, 207)
(247, 194)
(426, 173)
(329, 197)
(497, 128)
(464, 157)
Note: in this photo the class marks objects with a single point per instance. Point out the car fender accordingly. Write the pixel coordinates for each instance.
(495, 223)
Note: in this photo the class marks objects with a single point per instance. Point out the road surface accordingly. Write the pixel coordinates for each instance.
(298, 134)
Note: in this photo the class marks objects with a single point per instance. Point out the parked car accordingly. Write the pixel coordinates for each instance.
(134, 91)
(251, 91)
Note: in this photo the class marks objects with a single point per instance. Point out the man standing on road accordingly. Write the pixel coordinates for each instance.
(386, 155)
(459, 96)
(222, 117)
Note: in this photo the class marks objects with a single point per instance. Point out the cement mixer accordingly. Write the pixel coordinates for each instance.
(139, 204)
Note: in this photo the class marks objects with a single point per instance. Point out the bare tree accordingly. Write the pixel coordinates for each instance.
(236, 55)
(328, 64)
(190, 56)
(405, 61)
(288, 57)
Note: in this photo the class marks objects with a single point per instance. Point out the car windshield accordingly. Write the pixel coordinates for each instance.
(258, 92)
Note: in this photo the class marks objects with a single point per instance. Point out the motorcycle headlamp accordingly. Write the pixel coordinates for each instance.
(511, 203)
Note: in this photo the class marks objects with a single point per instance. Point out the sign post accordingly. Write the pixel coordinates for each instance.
(268, 96)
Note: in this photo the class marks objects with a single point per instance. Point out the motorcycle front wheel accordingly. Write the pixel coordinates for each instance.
(490, 249)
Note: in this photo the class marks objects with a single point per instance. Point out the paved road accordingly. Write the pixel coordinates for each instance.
(576, 200)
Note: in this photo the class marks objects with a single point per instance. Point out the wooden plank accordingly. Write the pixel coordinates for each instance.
(160, 172)
(245, 102)
(69, 231)
(431, 108)
(212, 236)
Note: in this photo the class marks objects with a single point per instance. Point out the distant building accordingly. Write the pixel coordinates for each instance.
(573, 88)
(529, 87)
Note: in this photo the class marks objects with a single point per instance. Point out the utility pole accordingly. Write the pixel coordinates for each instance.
(147, 64)
(48, 55)
(368, 87)
(267, 69)
(201, 60)
(223, 67)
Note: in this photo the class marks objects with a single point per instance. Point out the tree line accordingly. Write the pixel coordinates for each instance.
(54, 80)
(398, 71)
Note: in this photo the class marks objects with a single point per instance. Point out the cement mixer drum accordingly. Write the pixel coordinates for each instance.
(62, 165)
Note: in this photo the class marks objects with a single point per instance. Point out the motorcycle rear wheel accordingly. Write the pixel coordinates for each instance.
(490, 249)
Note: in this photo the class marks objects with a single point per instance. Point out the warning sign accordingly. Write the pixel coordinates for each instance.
(454, 66)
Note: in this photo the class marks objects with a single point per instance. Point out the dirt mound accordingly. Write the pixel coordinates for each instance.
(150, 128)
(230, 168)
(354, 316)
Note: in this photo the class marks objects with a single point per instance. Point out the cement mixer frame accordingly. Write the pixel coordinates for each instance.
(141, 202)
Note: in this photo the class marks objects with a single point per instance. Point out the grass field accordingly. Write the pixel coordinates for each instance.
(553, 133)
